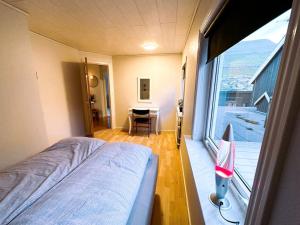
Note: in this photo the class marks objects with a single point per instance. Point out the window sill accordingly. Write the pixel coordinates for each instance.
(204, 175)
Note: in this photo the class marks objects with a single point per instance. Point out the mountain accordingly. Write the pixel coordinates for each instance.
(241, 61)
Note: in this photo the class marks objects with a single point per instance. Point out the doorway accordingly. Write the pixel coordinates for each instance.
(98, 80)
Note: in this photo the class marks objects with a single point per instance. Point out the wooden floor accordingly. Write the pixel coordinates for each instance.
(170, 203)
(101, 124)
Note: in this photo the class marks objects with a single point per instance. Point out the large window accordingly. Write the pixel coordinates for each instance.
(244, 79)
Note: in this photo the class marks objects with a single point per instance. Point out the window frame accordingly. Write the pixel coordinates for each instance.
(275, 143)
(240, 187)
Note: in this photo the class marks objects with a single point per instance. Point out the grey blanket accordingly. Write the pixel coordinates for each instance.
(76, 181)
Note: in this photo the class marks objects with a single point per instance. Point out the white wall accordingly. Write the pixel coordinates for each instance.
(205, 10)
(58, 71)
(23, 132)
(190, 53)
(164, 71)
(40, 90)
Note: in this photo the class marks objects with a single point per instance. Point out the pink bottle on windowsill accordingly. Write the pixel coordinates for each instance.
(224, 168)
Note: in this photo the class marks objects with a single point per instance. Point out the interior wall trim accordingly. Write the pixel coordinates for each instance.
(126, 129)
(212, 15)
(50, 39)
(14, 8)
(192, 21)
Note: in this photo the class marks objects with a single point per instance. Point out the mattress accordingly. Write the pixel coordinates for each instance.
(141, 212)
(96, 183)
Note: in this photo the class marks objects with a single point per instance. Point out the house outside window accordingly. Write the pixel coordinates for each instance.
(244, 80)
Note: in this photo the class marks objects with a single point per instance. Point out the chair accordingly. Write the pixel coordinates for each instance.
(141, 118)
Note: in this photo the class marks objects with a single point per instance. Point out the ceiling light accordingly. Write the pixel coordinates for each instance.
(150, 46)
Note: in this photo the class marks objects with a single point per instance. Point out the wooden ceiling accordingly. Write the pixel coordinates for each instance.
(114, 27)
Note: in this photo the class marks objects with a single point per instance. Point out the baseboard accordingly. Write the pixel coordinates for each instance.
(121, 128)
(126, 129)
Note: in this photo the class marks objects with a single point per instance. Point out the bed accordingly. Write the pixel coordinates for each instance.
(81, 181)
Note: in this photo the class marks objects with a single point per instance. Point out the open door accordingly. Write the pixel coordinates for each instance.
(88, 118)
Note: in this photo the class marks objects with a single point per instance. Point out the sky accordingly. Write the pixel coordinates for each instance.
(273, 31)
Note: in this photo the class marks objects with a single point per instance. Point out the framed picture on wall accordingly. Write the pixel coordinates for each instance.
(144, 89)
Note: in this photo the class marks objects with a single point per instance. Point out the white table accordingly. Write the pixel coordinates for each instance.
(154, 113)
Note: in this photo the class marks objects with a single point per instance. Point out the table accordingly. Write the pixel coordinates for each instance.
(154, 113)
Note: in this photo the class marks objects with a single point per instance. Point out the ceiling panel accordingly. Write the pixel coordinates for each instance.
(149, 12)
(114, 27)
